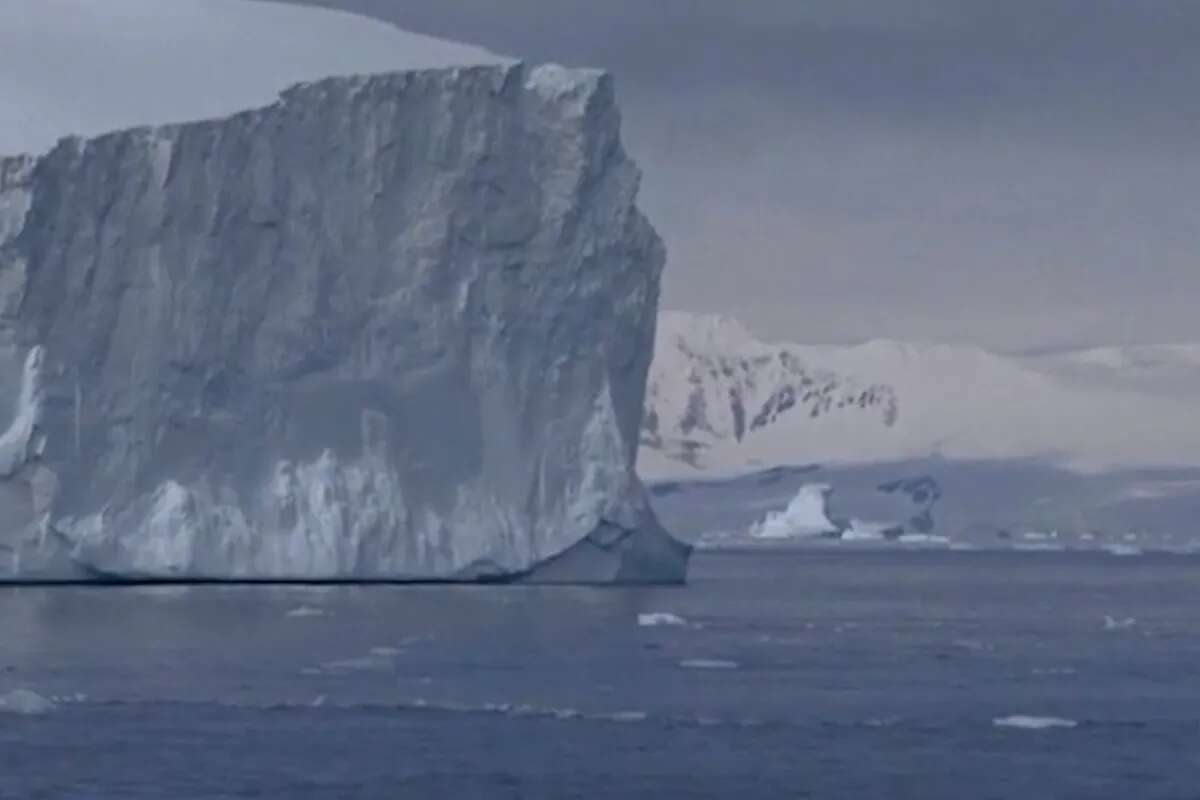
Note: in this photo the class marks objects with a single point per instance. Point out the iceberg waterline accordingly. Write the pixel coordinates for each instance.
(389, 327)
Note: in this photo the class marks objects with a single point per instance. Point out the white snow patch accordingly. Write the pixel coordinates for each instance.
(1032, 723)
(1116, 624)
(554, 81)
(25, 702)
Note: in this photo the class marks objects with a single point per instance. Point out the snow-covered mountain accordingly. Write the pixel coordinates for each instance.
(85, 67)
(720, 401)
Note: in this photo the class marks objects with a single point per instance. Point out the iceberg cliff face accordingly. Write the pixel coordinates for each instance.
(389, 327)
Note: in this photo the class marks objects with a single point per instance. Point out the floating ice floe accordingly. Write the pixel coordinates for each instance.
(1123, 550)
(708, 663)
(1033, 723)
(25, 702)
(526, 710)
(1115, 624)
(927, 539)
(307, 611)
(660, 618)
(377, 659)
(1039, 547)
(863, 531)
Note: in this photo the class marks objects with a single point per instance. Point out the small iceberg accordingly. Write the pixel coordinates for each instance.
(655, 619)
(805, 517)
(1032, 723)
(25, 702)
(1123, 550)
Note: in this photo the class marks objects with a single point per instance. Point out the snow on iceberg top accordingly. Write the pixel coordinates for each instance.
(86, 67)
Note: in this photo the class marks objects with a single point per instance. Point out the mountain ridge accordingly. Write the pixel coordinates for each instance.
(889, 399)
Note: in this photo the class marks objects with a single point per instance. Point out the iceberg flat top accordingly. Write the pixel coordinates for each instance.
(85, 67)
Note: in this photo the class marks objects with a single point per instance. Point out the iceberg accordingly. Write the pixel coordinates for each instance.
(806, 516)
(387, 327)
(25, 703)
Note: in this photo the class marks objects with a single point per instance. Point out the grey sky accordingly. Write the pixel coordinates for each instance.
(1022, 174)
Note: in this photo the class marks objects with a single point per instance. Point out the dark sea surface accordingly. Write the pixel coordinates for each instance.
(796, 673)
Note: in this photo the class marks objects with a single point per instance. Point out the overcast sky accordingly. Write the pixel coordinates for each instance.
(1023, 174)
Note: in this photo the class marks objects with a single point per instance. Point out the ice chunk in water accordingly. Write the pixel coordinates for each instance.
(24, 701)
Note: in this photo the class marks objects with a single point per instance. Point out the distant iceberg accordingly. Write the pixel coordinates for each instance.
(805, 517)
(25, 703)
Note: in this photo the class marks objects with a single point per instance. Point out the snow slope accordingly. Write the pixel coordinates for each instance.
(887, 400)
(90, 66)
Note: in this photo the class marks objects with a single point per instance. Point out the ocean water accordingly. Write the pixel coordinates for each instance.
(785, 673)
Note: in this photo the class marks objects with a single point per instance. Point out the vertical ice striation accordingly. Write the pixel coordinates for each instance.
(389, 327)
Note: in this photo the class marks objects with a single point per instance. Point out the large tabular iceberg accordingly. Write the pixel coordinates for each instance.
(387, 327)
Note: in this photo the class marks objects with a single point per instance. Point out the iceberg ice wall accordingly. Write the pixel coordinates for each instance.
(389, 327)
